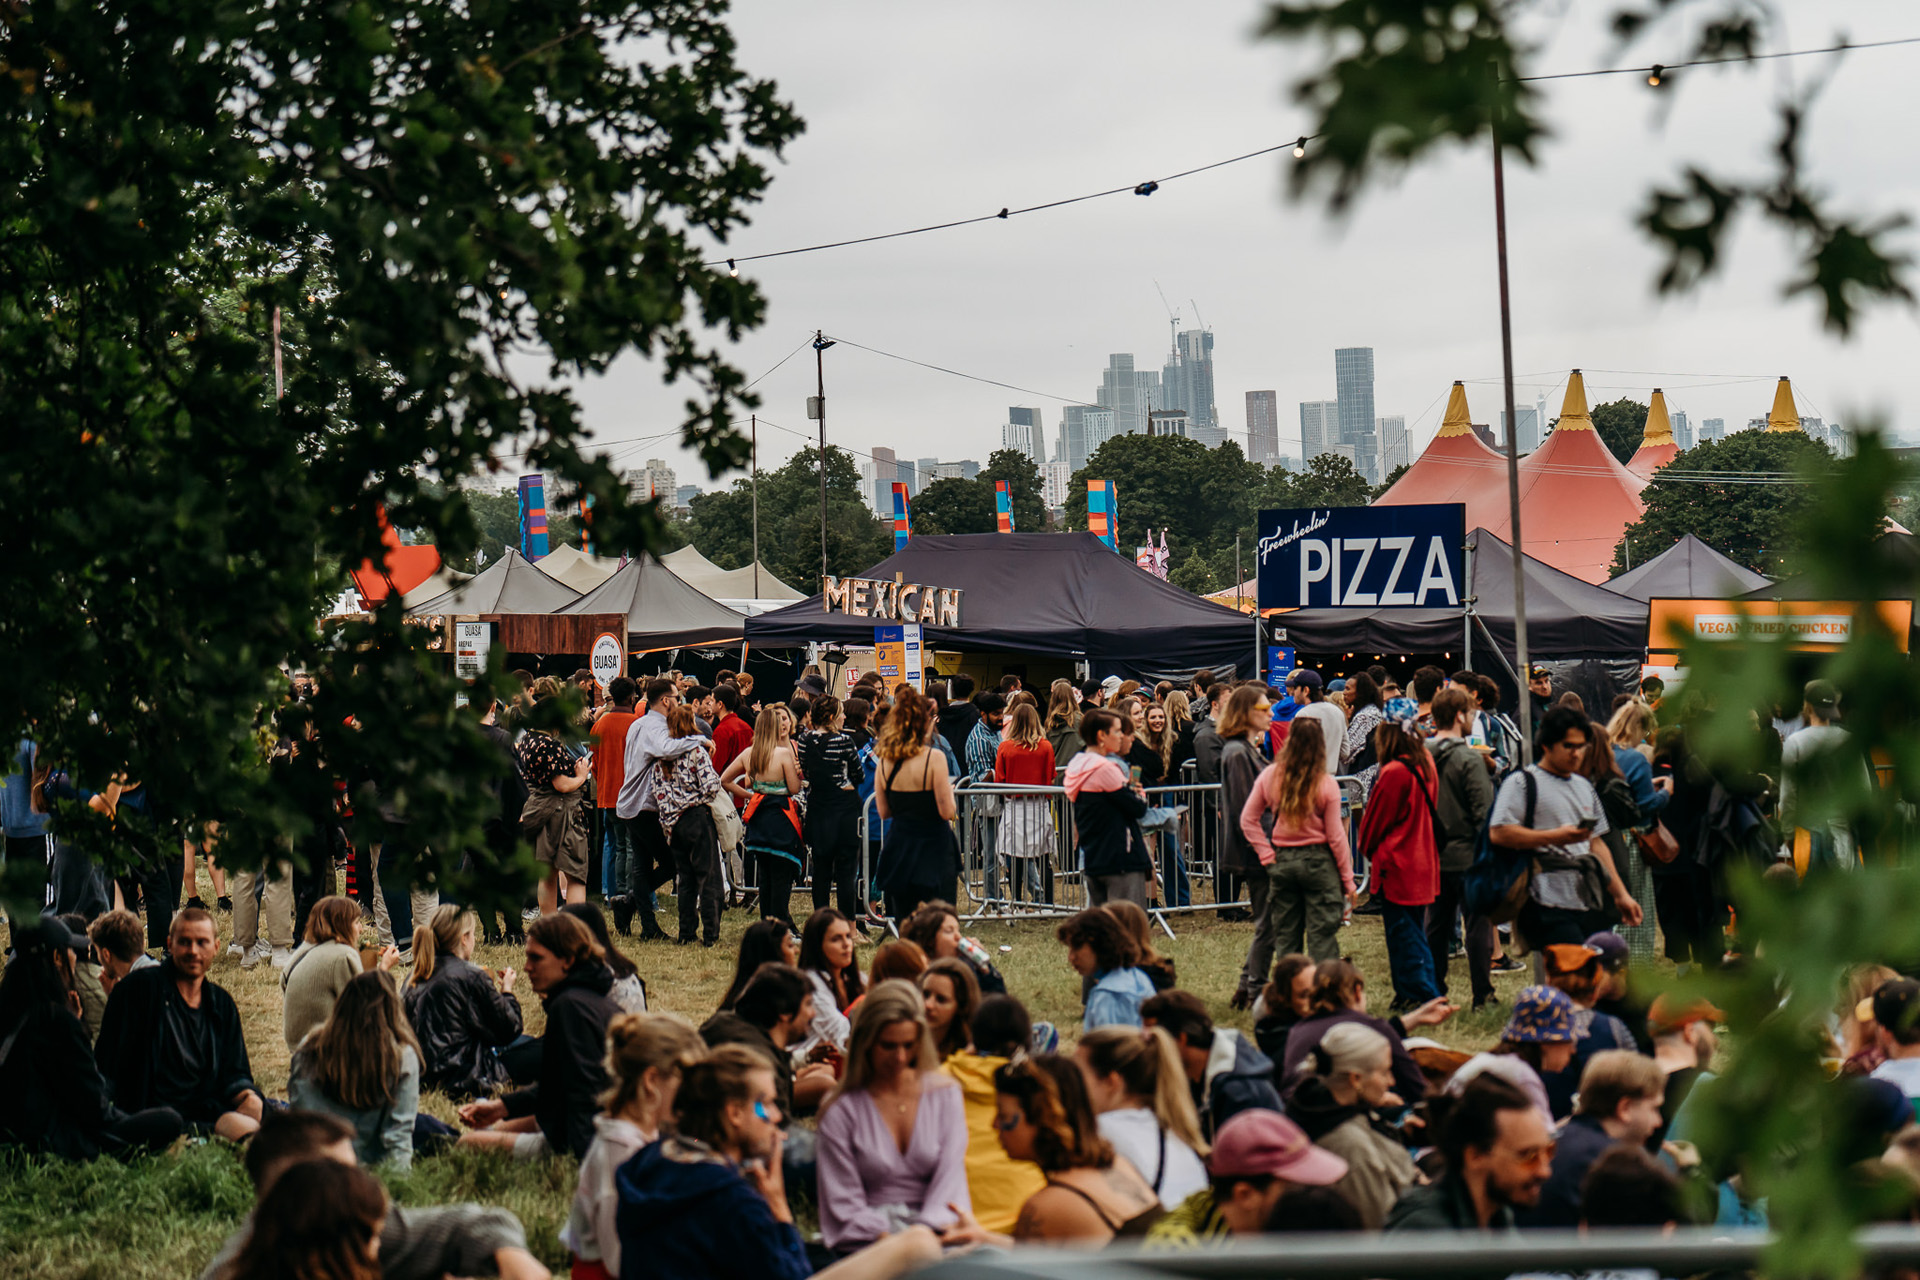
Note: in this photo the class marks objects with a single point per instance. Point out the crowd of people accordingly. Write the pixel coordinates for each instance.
(906, 1094)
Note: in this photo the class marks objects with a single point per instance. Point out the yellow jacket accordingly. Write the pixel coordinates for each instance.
(998, 1183)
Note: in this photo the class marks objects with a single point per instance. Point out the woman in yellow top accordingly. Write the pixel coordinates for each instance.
(998, 1183)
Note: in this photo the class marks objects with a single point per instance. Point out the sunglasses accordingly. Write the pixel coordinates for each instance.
(761, 1111)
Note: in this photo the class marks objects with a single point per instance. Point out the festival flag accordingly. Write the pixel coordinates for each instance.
(1103, 512)
(902, 516)
(1004, 500)
(586, 524)
(533, 516)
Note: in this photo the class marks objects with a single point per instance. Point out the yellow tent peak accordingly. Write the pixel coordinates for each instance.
(1573, 410)
(1457, 422)
(1659, 427)
(1784, 416)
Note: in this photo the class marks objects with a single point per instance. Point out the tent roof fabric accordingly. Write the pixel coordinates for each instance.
(1657, 445)
(1575, 498)
(1064, 594)
(1687, 570)
(442, 581)
(409, 566)
(1783, 416)
(662, 611)
(511, 584)
(727, 584)
(1457, 466)
(1894, 553)
(1566, 617)
(576, 568)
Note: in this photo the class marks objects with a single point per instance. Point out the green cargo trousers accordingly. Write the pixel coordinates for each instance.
(1304, 901)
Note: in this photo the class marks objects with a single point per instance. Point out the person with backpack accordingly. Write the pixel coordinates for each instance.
(1397, 833)
(1549, 816)
(1465, 798)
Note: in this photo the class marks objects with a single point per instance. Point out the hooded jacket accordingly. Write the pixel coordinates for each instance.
(461, 1017)
(566, 1096)
(687, 1213)
(1397, 831)
(998, 1183)
(1107, 813)
(1379, 1167)
(1116, 998)
(1238, 1078)
(1466, 797)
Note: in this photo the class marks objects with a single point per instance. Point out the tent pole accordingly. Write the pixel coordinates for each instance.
(1513, 450)
(1497, 651)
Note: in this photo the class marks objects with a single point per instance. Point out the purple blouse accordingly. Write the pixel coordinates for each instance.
(863, 1172)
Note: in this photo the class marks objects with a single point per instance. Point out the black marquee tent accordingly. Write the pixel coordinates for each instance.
(1066, 595)
(1687, 570)
(1567, 617)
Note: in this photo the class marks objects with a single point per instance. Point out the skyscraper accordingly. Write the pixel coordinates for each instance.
(1353, 389)
(1263, 427)
(1712, 429)
(1169, 422)
(1393, 444)
(885, 472)
(1055, 479)
(655, 480)
(1319, 428)
(1529, 436)
(1128, 392)
(1024, 430)
(1083, 429)
(1187, 384)
(924, 474)
(1682, 429)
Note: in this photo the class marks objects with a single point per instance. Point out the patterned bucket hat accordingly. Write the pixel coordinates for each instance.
(1541, 1015)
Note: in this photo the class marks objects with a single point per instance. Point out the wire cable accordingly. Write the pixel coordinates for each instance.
(1659, 68)
(971, 377)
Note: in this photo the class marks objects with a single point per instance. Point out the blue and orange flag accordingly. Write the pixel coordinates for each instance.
(1003, 500)
(586, 524)
(533, 516)
(902, 516)
(1103, 511)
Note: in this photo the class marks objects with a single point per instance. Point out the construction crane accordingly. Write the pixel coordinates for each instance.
(1173, 320)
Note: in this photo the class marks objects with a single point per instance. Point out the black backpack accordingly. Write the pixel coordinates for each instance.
(1496, 884)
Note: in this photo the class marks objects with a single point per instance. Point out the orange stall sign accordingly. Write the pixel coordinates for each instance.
(1816, 626)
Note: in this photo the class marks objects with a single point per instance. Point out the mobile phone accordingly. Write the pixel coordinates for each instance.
(1588, 824)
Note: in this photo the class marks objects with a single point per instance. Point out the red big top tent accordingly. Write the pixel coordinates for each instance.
(1576, 499)
(1455, 467)
(1657, 445)
(404, 567)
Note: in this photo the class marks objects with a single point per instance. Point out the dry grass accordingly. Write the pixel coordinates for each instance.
(164, 1217)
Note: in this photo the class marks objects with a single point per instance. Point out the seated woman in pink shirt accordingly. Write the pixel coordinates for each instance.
(893, 1136)
(1292, 819)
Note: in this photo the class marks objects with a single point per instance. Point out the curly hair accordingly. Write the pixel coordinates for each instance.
(1052, 1094)
(908, 729)
(1102, 933)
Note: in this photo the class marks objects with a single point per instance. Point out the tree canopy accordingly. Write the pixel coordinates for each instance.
(721, 524)
(1621, 424)
(1756, 524)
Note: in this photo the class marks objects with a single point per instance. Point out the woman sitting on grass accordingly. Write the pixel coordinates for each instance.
(629, 988)
(461, 1013)
(1133, 918)
(646, 1054)
(1339, 1106)
(1138, 1088)
(951, 996)
(826, 957)
(1098, 947)
(321, 1221)
(323, 966)
(363, 1065)
(936, 927)
(768, 941)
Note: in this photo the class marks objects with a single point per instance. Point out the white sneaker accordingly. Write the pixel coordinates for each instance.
(236, 950)
(282, 957)
(252, 959)
(530, 915)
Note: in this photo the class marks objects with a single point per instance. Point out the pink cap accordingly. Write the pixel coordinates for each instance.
(1258, 1141)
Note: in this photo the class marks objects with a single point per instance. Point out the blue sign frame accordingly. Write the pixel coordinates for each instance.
(1411, 557)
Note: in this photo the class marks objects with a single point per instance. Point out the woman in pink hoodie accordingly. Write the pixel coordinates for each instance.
(1303, 845)
(1107, 807)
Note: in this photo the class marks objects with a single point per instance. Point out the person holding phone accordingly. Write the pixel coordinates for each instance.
(1550, 812)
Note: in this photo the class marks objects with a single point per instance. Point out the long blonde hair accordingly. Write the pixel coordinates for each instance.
(1302, 763)
(1026, 728)
(1631, 725)
(356, 1051)
(769, 735)
(1148, 1064)
(1238, 711)
(439, 936)
(1179, 711)
(642, 1042)
(895, 1000)
(1063, 705)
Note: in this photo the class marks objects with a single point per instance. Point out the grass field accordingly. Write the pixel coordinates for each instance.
(164, 1217)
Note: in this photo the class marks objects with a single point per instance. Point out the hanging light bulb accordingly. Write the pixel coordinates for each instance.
(1653, 76)
(732, 270)
(1300, 149)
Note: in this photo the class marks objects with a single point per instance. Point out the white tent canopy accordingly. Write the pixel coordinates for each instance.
(727, 584)
(576, 568)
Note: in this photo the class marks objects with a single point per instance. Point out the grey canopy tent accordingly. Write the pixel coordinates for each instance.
(1688, 570)
(745, 583)
(662, 611)
(1064, 595)
(511, 584)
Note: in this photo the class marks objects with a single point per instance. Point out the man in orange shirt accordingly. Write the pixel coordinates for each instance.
(609, 771)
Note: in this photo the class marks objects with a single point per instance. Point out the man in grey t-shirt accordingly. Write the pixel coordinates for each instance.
(1574, 876)
(1308, 690)
(1822, 753)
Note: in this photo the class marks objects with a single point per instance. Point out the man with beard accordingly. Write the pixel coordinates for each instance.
(1499, 1155)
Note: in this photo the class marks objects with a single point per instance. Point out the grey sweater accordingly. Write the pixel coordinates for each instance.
(421, 1244)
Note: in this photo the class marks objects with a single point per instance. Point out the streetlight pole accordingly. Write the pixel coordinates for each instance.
(1513, 452)
(818, 410)
(754, 461)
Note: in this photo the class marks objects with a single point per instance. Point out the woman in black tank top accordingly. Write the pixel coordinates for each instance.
(920, 859)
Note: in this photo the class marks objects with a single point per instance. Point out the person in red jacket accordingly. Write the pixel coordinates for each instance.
(1397, 835)
(731, 734)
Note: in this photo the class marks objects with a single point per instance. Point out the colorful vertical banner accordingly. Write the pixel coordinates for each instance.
(1103, 512)
(586, 524)
(1003, 502)
(533, 516)
(902, 516)
(899, 654)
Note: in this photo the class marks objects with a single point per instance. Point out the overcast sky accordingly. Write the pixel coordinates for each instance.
(918, 114)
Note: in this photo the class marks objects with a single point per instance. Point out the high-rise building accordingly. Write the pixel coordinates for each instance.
(965, 469)
(1528, 438)
(923, 474)
(1263, 426)
(655, 480)
(1393, 444)
(1712, 429)
(1168, 422)
(1129, 392)
(1056, 478)
(1187, 382)
(1083, 429)
(1319, 428)
(1025, 431)
(1682, 429)
(1353, 391)
(685, 494)
(885, 472)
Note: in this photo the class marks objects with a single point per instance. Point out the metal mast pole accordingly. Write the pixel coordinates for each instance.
(820, 344)
(1513, 453)
(754, 456)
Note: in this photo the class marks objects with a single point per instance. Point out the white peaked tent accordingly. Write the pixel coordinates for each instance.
(576, 568)
(511, 584)
(727, 584)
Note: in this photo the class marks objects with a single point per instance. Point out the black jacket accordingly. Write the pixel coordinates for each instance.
(573, 1055)
(460, 1016)
(130, 1031)
(956, 723)
(1206, 750)
(53, 1098)
(1579, 1143)
(728, 1027)
(1147, 760)
(1109, 826)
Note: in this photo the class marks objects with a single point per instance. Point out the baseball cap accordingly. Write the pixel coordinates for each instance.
(1895, 1005)
(1111, 683)
(1539, 671)
(1335, 686)
(1669, 1013)
(1822, 696)
(1571, 957)
(47, 935)
(1612, 948)
(1541, 1015)
(1258, 1141)
(1304, 676)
